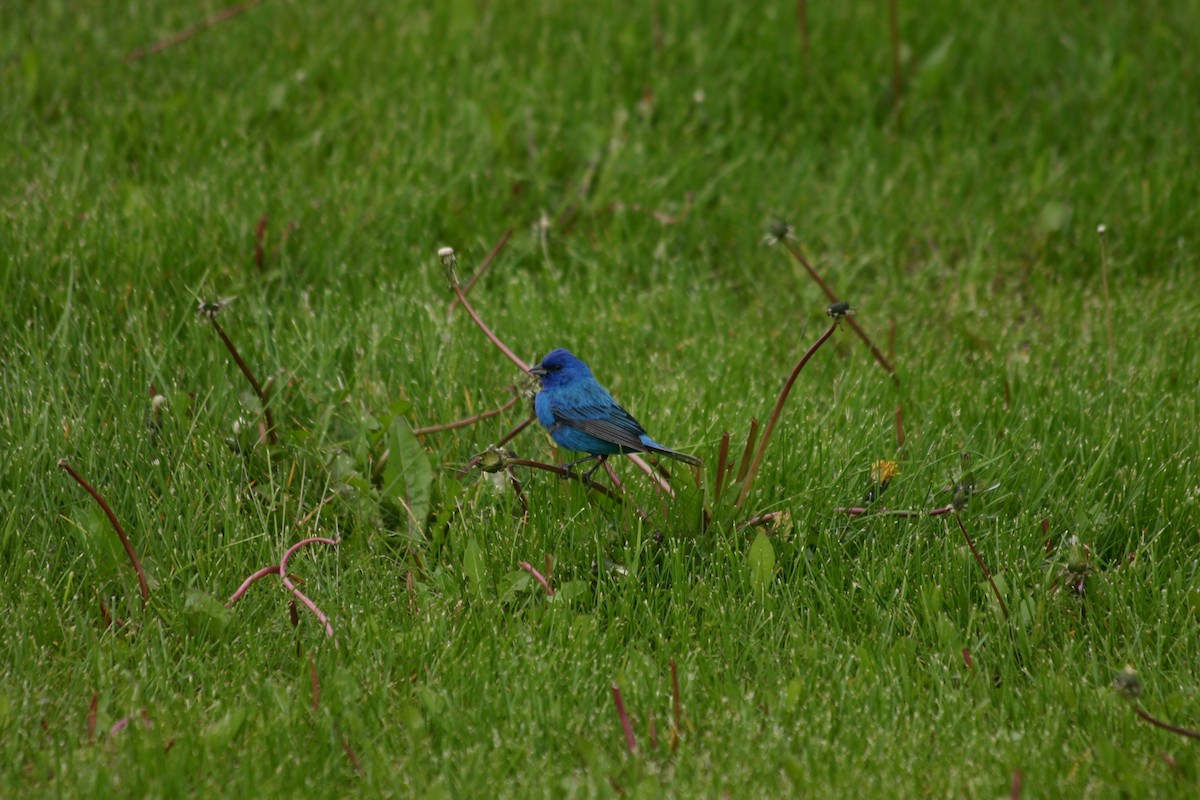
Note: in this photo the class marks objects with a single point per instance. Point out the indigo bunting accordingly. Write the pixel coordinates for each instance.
(581, 415)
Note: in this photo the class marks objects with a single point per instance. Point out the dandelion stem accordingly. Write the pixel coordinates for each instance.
(1166, 726)
(263, 398)
(462, 423)
(449, 261)
(537, 576)
(833, 298)
(982, 566)
(487, 262)
(112, 518)
(770, 429)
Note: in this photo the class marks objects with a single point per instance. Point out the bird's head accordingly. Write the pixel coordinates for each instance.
(559, 368)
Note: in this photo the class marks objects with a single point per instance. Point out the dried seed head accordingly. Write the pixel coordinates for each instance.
(1127, 683)
(777, 231)
(839, 310)
(449, 264)
(209, 309)
(494, 459)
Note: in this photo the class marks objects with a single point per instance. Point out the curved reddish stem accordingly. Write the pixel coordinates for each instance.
(112, 518)
(253, 579)
(783, 396)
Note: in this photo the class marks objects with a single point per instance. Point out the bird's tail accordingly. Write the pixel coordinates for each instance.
(655, 447)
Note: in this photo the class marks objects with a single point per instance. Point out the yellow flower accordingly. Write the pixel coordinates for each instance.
(882, 471)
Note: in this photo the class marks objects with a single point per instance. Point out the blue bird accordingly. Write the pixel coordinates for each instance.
(581, 415)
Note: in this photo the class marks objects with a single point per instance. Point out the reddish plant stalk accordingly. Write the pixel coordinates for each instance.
(761, 519)
(320, 615)
(858, 511)
(722, 457)
(833, 298)
(516, 484)
(537, 576)
(747, 453)
(188, 33)
(676, 701)
(982, 566)
(272, 436)
(470, 465)
(91, 717)
(752, 473)
(656, 480)
(1166, 726)
(316, 685)
(568, 474)
(630, 742)
(449, 261)
(894, 31)
(487, 262)
(255, 577)
(802, 24)
(462, 423)
(112, 518)
(260, 235)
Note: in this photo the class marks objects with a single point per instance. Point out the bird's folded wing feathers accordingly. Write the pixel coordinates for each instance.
(609, 422)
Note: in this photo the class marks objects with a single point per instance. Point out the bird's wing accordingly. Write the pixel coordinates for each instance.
(604, 420)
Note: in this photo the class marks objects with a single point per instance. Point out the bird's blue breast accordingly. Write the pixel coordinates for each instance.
(570, 402)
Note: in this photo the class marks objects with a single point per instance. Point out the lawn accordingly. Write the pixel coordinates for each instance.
(636, 168)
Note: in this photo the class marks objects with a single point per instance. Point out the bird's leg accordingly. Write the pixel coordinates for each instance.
(599, 463)
(570, 464)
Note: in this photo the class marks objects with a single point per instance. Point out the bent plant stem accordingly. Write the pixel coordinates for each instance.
(465, 468)
(833, 298)
(770, 429)
(982, 566)
(537, 576)
(658, 481)
(462, 423)
(1166, 726)
(568, 474)
(280, 569)
(303, 598)
(188, 33)
(112, 518)
(263, 398)
(449, 261)
(487, 262)
(254, 578)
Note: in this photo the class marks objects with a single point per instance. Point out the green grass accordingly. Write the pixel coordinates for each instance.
(374, 135)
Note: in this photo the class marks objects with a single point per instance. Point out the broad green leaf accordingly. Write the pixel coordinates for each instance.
(203, 611)
(408, 477)
(475, 569)
(762, 562)
(221, 732)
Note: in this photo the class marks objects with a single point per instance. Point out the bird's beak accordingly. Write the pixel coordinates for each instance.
(538, 370)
